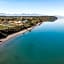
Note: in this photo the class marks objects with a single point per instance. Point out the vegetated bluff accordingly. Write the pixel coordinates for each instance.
(12, 24)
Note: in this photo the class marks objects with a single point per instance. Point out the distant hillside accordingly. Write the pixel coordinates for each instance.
(3, 14)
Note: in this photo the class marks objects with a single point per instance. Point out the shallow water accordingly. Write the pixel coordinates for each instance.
(43, 45)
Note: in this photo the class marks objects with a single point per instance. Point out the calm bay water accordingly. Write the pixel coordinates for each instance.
(43, 45)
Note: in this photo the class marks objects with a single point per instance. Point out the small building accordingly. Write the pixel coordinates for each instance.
(19, 23)
(25, 21)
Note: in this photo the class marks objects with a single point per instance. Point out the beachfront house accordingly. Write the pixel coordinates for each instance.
(19, 23)
(25, 21)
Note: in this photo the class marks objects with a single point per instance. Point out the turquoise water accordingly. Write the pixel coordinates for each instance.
(43, 45)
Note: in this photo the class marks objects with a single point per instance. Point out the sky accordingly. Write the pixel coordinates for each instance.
(45, 7)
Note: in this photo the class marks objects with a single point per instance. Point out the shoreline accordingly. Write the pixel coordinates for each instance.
(17, 33)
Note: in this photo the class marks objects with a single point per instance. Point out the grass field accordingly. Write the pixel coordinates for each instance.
(2, 27)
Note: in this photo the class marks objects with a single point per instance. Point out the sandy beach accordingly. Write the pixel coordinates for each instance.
(15, 34)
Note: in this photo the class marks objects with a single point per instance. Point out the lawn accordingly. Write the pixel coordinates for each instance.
(2, 27)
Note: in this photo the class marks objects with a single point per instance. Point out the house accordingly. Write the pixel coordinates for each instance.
(19, 23)
(25, 21)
